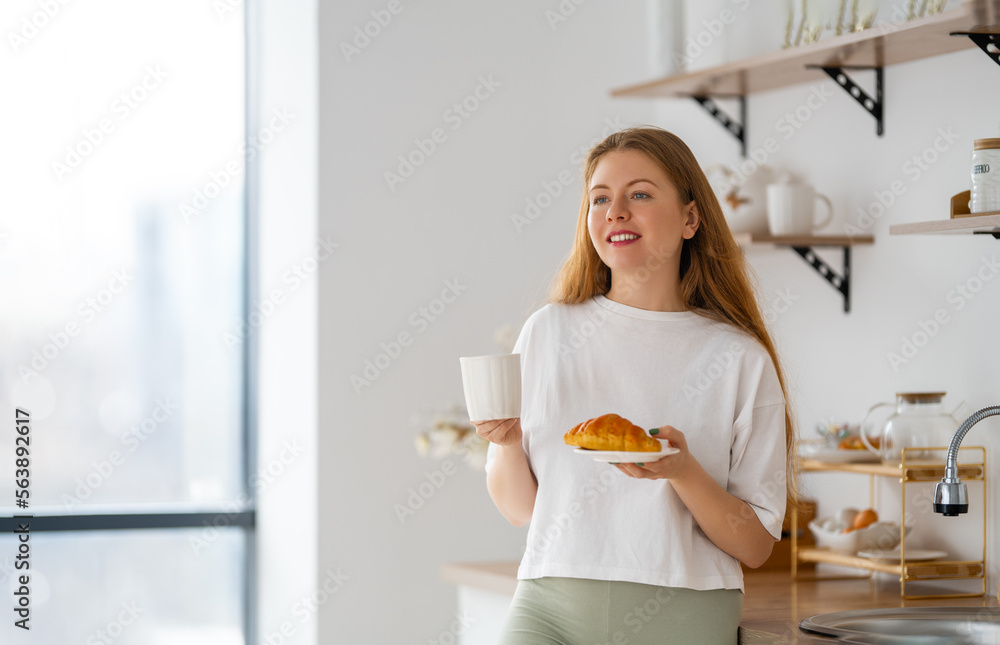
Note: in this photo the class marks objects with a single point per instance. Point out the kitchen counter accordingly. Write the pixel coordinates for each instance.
(774, 603)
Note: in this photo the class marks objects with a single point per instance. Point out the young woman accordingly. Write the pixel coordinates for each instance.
(652, 317)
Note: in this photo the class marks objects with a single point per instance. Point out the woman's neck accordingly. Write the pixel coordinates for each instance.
(654, 293)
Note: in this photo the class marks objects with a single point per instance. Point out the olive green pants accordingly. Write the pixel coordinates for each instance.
(574, 611)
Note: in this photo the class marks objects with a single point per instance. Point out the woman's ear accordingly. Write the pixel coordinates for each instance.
(692, 222)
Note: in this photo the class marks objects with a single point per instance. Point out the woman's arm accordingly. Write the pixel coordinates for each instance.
(510, 481)
(727, 520)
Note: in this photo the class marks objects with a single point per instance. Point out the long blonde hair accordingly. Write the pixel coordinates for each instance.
(715, 279)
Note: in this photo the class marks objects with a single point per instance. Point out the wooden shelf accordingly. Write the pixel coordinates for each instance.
(933, 569)
(914, 471)
(982, 224)
(908, 571)
(879, 46)
(815, 465)
(744, 239)
(874, 48)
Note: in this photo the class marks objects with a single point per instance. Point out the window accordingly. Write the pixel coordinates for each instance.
(124, 277)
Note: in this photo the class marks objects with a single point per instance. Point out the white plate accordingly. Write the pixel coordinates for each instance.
(627, 457)
(911, 554)
(845, 456)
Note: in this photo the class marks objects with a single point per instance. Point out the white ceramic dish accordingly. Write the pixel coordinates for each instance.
(880, 535)
(626, 457)
(915, 555)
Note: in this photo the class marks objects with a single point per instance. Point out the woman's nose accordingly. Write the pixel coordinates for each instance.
(618, 211)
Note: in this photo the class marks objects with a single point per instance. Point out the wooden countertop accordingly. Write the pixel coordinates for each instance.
(500, 577)
(774, 603)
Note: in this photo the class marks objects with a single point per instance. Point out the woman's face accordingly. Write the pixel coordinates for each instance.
(636, 217)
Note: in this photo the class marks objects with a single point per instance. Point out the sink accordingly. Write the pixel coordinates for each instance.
(910, 625)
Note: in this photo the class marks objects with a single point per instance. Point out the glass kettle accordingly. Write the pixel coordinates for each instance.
(918, 422)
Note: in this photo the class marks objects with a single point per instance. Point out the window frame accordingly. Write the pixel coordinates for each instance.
(244, 519)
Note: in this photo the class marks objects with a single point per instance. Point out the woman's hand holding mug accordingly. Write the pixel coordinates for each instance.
(492, 387)
(502, 432)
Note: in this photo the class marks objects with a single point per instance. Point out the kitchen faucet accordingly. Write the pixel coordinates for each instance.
(951, 496)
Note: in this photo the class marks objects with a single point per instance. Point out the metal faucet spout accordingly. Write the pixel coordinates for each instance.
(951, 496)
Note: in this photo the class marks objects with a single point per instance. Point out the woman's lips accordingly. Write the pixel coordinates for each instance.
(623, 238)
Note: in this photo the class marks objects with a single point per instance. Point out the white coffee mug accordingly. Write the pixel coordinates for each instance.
(492, 386)
(791, 209)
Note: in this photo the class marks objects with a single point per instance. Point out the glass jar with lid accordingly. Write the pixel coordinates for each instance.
(985, 194)
(919, 421)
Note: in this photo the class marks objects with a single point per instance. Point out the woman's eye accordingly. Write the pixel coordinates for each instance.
(600, 200)
(641, 195)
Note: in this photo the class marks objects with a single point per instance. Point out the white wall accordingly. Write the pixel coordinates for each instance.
(450, 220)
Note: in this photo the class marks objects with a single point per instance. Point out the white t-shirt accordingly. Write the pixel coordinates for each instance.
(709, 380)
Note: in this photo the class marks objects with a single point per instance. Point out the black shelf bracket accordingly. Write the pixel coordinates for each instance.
(983, 41)
(840, 281)
(872, 105)
(737, 129)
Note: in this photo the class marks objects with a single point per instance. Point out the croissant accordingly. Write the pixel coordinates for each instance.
(611, 432)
